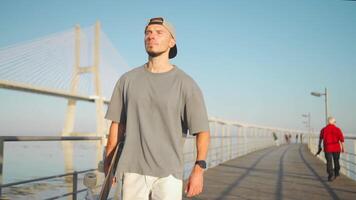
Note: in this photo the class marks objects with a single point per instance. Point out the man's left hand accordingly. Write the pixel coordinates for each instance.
(194, 185)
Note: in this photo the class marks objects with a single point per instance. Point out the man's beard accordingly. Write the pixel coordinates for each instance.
(154, 54)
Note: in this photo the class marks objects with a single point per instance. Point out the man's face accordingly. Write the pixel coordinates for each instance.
(158, 40)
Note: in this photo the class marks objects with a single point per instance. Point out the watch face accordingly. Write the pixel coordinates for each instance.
(201, 163)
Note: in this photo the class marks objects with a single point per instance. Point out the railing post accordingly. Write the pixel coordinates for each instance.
(230, 143)
(75, 185)
(253, 134)
(245, 140)
(248, 140)
(1, 161)
(347, 164)
(239, 139)
(222, 142)
(354, 178)
(258, 137)
(216, 142)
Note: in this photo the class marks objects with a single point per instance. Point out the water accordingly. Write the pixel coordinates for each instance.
(28, 160)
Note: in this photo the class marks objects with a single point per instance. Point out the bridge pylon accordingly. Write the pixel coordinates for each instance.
(78, 70)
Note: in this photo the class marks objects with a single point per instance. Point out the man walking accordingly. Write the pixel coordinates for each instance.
(296, 138)
(333, 144)
(153, 107)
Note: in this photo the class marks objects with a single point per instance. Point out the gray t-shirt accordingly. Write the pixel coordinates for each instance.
(158, 110)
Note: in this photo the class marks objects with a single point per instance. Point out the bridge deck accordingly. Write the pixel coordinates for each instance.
(287, 172)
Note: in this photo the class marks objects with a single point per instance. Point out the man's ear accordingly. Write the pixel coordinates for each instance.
(172, 43)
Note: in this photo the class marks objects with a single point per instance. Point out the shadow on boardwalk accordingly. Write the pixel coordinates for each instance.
(288, 172)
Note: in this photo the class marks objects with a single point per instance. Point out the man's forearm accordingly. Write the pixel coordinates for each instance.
(195, 182)
(320, 140)
(112, 138)
(202, 143)
(116, 133)
(342, 147)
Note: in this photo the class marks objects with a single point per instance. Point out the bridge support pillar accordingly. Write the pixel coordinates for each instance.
(99, 101)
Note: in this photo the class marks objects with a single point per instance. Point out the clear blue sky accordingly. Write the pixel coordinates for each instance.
(256, 61)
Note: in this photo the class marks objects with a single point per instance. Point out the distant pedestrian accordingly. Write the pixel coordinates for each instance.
(296, 138)
(275, 138)
(301, 138)
(333, 140)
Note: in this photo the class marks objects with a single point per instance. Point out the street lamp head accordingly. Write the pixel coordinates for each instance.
(317, 94)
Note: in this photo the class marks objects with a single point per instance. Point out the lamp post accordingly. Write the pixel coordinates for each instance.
(317, 94)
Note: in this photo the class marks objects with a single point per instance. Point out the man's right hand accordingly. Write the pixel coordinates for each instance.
(106, 171)
(319, 150)
(106, 167)
(116, 135)
(342, 147)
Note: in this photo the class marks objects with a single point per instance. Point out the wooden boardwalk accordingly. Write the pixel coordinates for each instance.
(288, 172)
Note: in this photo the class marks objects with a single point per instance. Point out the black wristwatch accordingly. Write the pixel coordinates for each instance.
(201, 163)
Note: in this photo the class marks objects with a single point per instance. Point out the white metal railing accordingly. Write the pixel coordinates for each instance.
(74, 174)
(233, 139)
(228, 141)
(347, 159)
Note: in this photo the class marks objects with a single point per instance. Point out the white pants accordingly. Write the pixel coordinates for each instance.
(141, 187)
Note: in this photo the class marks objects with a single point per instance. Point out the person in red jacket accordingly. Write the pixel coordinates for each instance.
(333, 140)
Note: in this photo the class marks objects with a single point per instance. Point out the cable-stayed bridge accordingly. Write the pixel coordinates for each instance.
(81, 65)
(50, 61)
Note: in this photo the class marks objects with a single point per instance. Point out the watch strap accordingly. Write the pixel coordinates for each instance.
(201, 163)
